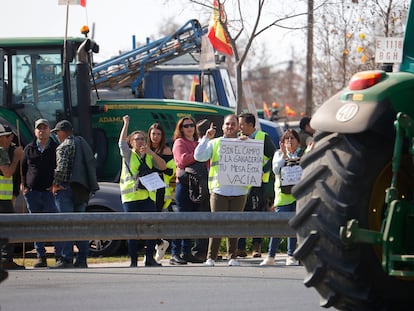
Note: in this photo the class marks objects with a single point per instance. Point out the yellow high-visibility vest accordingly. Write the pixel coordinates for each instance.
(214, 166)
(280, 197)
(260, 135)
(167, 179)
(127, 182)
(6, 188)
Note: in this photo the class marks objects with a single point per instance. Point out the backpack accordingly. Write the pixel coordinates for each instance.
(255, 200)
(197, 182)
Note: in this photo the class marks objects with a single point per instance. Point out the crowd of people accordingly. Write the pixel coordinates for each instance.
(54, 178)
(59, 177)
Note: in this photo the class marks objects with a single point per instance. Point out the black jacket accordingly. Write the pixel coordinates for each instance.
(84, 166)
(38, 167)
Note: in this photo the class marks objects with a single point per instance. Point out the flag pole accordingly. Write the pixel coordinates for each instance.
(24, 208)
(64, 41)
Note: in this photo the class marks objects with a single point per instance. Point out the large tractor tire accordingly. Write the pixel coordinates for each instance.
(345, 177)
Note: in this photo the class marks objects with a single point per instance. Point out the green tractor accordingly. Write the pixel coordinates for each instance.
(355, 211)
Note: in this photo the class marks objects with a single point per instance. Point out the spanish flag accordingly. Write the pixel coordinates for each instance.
(289, 111)
(194, 84)
(266, 110)
(72, 2)
(218, 37)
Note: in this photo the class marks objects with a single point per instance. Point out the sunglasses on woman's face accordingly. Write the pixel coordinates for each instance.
(186, 126)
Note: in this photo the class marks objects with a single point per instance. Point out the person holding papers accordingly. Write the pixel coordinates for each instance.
(223, 197)
(287, 171)
(157, 143)
(138, 163)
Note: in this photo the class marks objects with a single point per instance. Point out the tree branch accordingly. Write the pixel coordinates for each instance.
(275, 23)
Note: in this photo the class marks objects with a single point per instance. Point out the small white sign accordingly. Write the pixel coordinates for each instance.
(388, 50)
(290, 175)
(241, 162)
(152, 181)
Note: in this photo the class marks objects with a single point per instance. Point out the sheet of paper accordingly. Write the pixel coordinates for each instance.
(152, 181)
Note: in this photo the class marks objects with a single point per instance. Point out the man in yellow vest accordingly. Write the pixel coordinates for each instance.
(223, 198)
(7, 170)
(257, 200)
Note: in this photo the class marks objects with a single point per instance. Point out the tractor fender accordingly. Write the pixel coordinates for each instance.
(351, 116)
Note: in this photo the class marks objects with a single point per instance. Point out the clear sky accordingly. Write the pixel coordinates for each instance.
(115, 21)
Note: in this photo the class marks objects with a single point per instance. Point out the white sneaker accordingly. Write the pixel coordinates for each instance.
(161, 249)
(268, 261)
(209, 262)
(290, 261)
(234, 263)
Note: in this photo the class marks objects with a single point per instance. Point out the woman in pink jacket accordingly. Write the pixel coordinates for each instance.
(185, 142)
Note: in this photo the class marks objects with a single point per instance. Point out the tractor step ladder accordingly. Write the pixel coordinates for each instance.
(398, 233)
(402, 265)
(128, 69)
(398, 239)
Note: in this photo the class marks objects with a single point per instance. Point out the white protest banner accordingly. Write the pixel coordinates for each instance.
(241, 162)
(152, 181)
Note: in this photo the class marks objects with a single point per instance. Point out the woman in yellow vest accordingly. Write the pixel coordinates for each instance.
(286, 167)
(7, 169)
(137, 160)
(156, 142)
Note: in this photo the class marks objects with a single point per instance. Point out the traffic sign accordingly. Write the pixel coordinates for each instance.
(388, 50)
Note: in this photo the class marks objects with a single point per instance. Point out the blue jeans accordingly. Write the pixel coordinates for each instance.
(184, 204)
(274, 242)
(42, 202)
(255, 203)
(146, 205)
(65, 203)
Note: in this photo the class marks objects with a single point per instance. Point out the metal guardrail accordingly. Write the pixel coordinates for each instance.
(18, 228)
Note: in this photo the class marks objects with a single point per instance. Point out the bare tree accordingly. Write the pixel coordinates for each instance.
(344, 37)
(239, 25)
(345, 34)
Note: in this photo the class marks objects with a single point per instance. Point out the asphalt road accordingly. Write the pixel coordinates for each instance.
(115, 286)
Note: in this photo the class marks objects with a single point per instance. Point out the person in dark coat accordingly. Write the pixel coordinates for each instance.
(74, 181)
(38, 167)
